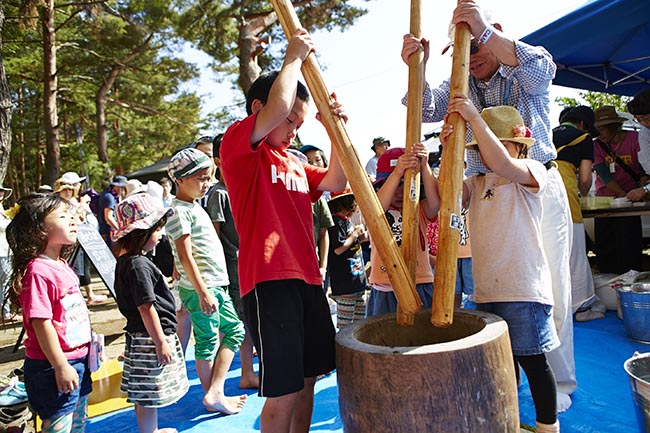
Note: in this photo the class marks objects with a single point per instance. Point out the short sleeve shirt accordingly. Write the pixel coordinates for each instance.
(347, 270)
(508, 260)
(106, 201)
(51, 292)
(219, 210)
(271, 193)
(190, 219)
(137, 282)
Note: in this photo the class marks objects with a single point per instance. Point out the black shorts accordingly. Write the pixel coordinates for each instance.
(291, 326)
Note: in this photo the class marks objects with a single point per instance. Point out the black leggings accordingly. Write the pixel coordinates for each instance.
(542, 386)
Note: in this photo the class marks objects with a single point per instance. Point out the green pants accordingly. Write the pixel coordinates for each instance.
(206, 328)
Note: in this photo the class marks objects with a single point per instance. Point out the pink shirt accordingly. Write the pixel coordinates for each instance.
(271, 193)
(628, 151)
(51, 291)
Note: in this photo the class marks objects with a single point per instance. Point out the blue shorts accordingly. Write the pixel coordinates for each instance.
(40, 384)
(380, 302)
(530, 325)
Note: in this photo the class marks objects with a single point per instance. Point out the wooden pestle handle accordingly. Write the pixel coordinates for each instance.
(385, 244)
(410, 207)
(451, 189)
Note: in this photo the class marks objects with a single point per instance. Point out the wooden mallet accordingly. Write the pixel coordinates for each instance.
(410, 207)
(450, 185)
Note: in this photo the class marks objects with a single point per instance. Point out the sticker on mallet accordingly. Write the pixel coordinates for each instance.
(455, 222)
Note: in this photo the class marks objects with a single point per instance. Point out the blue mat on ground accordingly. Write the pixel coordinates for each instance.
(601, 404)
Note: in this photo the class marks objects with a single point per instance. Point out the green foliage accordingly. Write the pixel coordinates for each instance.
(218, 28)
(147, 112)
(595, 100)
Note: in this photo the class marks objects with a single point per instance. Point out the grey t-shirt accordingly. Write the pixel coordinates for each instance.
(218, 208)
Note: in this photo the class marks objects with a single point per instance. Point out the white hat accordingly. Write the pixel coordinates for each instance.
(155, 190)
(134, 186)
(71, 177)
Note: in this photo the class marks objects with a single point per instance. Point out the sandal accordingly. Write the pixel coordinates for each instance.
(12, 391)
(14, 419)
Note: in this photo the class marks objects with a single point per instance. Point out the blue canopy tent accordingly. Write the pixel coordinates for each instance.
(602, 46)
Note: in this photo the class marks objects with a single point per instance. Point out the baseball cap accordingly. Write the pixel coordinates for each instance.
(387, 163)
(71, 177)
(187, 162)
(119, 181)
(139, 211)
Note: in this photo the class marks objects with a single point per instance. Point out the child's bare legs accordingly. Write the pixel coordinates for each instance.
(204, 371)
(215, 399)
(302, 411)
(184, 329)
(248, 377)
(147, 418)
(289, 413)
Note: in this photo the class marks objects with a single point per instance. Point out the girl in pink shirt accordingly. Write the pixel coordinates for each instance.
(55, 318)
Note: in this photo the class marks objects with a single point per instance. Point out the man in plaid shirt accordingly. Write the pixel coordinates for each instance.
(509, 72)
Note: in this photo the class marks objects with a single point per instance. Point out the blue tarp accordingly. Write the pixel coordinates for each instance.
(602, 402)
(603, 46)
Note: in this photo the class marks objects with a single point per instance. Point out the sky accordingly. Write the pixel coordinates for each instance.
(364, 68)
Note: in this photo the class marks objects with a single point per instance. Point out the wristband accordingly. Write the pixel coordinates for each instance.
(646, 187)
(486, 35)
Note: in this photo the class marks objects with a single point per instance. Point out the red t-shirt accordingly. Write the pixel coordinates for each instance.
(271, 193)
(51, 291)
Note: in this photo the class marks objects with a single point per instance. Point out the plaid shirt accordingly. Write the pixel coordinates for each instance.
(525, 87)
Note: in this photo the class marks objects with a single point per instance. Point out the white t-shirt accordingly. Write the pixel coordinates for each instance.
(371, 166)
(508, 258)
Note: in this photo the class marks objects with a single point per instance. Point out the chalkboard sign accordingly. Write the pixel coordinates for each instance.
(98, 253)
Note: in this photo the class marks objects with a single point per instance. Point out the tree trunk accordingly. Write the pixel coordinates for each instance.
(5, 112)
(250, 47)
(50, 89)
(100, 109)
(102, 97)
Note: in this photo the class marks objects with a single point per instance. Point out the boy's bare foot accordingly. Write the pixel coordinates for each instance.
(225, 405)
(249, 381)
(166, 430)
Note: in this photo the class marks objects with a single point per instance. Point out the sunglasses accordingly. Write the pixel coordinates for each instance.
(473, 47)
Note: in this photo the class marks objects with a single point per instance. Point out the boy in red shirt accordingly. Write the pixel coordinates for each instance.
(271, 193)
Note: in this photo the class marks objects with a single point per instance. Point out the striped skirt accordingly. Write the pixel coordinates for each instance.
(145, 382)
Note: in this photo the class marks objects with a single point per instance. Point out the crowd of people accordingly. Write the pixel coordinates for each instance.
(259, 232)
